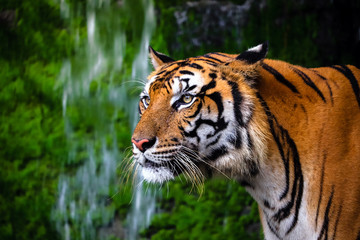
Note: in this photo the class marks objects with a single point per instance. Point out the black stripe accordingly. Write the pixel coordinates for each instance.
(199, 107)
(208, 86)
(327, 84)
(168, 85)
(250, 141)
(349, 75)
(212, 75)
(297, 188)
(308, 82)
(271, 119)
(280, 77)
(186, 72)
(167, 90)
(215, 154)
(190, 88)
(217, 98)
(214, 142)
(267, 204)
(252, 167)
(218, 126)
(321, 191)
(358, 236)
(220, 54)
(237, 102)
(165, 67)
(161, 72)
(195, 65)
(235, 140)
(325, 226)
(209, 62)
(337, 221)
(272, 229)
(186, 81)
(244, 183)
(159, 79)
(286, 145)
(168, 75)
(208, 56)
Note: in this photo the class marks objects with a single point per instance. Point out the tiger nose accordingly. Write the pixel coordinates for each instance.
(143, 144)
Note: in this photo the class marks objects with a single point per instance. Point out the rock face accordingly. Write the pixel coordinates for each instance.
(339, 31)
(207, 22)
(332, 29)
(7, 18)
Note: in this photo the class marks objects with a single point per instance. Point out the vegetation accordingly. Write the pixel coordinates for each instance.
(33, 145)
(35, 40)
(223, 211)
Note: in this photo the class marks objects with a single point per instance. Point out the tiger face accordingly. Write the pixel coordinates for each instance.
(197, 117)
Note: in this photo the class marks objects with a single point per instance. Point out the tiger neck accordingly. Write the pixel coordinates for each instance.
(279, 186)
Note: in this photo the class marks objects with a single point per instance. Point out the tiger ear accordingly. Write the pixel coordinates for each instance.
(254, 54)
(158, 59)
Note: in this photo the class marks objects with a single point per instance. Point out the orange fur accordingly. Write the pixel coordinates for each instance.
(328, 137)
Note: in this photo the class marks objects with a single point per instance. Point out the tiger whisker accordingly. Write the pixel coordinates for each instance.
(177, 173)
(189, 174)
(193, 165)
(127, 167)
(186, 173)
(189, 165)
(192, 171)
(199, 177)
(199, 158)
(139, 81)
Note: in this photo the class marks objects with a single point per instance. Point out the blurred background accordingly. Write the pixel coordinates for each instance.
(70, 74)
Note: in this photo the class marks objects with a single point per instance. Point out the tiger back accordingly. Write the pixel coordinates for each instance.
(290, 135)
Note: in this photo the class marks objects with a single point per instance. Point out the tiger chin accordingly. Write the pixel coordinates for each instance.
(290, 135)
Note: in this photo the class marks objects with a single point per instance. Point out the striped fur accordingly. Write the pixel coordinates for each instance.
(289, 134)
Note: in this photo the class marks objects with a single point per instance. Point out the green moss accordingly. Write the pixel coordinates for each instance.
(223, 211)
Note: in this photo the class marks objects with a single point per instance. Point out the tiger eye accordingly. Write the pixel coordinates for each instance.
(147, 100)
(187, 98)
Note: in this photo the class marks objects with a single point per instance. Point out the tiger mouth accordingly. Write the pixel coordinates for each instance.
(174, 168)
(150, 164)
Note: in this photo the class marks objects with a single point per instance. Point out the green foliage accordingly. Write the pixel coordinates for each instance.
(37, 31)
(223, 211)
(33, 147)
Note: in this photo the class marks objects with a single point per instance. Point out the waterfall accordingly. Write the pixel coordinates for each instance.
(95, 92)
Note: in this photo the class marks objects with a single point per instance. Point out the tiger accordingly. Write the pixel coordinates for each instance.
(289, 134)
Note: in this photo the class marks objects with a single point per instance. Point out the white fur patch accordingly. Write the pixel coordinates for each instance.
(257, 48)
(179, 86)
(157, 175)
(149, 82)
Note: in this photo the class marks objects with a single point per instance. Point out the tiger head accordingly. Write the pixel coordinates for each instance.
(201, 116)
